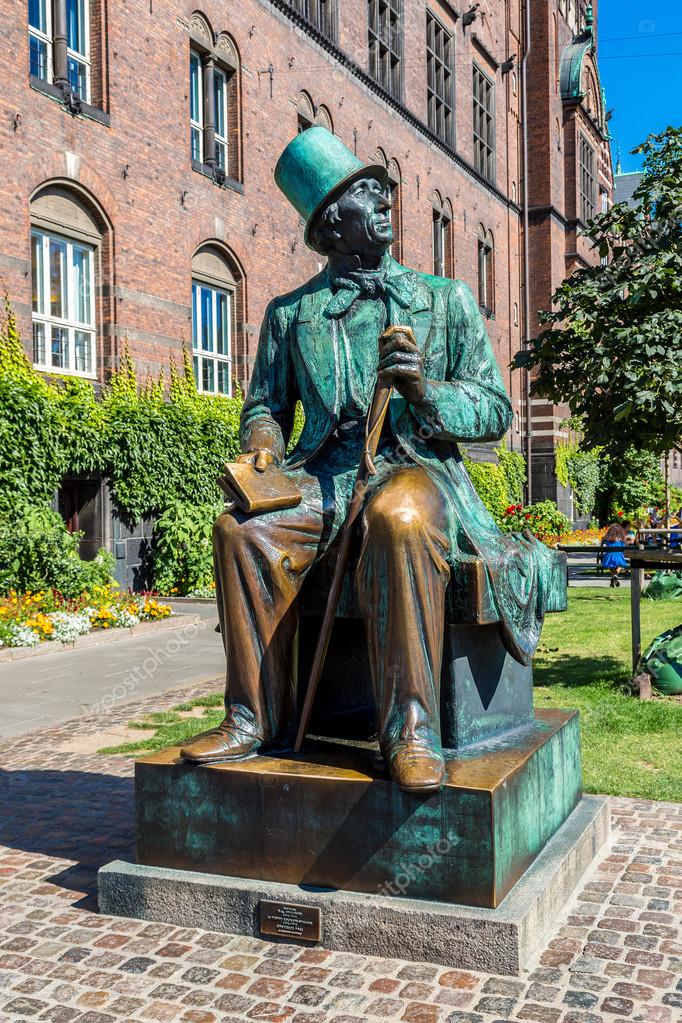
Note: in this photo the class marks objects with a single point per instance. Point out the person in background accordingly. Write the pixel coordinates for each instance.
(614, 544)
(630, 532)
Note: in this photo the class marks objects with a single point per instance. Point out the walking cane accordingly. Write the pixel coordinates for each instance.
(375, 422)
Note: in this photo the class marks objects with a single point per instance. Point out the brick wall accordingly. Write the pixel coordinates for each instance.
(157, 210)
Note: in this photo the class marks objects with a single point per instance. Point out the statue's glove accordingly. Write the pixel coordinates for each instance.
(401, 363)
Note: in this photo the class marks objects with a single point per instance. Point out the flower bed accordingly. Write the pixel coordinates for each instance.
(28, 619)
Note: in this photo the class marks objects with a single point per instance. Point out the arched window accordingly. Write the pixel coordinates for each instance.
(308, 114)
(486, 271)
(305, 111)
(442, 236)
(214, 99)
(217, 309)
(67, 257)
(324, 118)
(395, 184)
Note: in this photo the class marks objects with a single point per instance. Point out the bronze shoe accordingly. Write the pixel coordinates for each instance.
(226, 742)
(415, 767)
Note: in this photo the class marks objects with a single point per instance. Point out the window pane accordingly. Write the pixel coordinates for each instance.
(83, 351)
(81, 300)
(224, 378)
(221, 153)
(37, 14)
(219, 92)
(195, 315)
(208, 375)
(196, 144)
(37, 57)
(60, 348)
(194, 87)
(75, 26)
(78, 77)
(57, 277)
(195, 364)
(38, 273)
(222, 324)
(39, 343)
(207, 326)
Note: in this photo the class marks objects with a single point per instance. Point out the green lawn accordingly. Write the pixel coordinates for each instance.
(630, 748)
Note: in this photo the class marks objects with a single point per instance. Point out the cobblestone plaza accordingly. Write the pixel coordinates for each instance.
(616, 954)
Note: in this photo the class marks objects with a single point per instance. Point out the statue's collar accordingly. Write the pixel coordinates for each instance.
(349, 281)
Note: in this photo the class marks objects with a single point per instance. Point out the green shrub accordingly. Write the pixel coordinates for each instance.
(513, 465)
(183, 553)
(37, 552)
(543, 520)
(490, 483)
(581, 471)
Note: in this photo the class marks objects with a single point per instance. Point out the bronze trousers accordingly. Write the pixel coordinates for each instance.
(402, 575)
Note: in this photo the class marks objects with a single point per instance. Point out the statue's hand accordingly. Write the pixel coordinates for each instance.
(261, 458)
(401, 363)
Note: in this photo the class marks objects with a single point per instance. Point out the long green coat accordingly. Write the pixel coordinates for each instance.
(466, 402)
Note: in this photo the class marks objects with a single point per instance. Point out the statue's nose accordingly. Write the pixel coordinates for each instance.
(384, 203)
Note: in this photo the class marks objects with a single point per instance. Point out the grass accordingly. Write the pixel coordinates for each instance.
(630, 748)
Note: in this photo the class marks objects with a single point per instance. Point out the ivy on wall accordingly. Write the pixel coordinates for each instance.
(581, 471)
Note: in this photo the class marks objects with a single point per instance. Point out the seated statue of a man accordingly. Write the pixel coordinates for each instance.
(322, 344)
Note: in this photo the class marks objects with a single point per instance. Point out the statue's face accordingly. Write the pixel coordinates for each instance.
(364, 224)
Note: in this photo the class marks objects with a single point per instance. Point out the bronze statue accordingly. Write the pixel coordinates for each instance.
(322, 344)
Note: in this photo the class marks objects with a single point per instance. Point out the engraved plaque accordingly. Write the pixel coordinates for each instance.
(286, 920)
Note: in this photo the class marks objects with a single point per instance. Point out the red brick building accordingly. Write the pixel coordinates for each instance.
(570, 179)
(137, 200)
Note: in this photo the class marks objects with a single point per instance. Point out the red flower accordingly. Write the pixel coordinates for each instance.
(527, 515)
(519, 507)
(620, 515)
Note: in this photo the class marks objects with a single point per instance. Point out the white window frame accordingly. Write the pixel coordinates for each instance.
(221, 144)
(439, 233)
(46, 38)
(69, 322)
(82, 57)
(197, 125)
(199, 354)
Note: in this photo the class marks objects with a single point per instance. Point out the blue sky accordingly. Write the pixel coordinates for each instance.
(640, 59)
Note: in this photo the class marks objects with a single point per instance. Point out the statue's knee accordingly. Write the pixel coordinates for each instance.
(398, 517)
(226, 531)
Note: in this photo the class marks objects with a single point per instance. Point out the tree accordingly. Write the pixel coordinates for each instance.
(611, 350)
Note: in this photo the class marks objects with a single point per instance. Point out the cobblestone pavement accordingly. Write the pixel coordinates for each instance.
(616, 955)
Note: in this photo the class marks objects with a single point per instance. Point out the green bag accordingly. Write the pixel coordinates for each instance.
(663, 661)
(665, 586)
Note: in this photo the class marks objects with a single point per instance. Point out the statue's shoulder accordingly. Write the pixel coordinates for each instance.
(288, 304)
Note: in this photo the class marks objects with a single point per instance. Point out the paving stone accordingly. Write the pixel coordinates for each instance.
(615, 956)
(580, 999)
(617, 1006)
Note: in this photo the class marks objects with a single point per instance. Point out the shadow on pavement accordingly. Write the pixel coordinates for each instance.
(68, 815)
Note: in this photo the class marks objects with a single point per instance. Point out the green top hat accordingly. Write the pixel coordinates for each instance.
(315, 168)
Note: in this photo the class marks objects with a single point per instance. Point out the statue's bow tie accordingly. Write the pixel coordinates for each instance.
(354, 285)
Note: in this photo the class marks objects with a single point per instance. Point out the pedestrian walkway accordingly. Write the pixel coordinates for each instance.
(59, 686)
(616, 954)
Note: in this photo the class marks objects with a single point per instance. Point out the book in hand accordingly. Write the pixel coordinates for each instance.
(255, 491)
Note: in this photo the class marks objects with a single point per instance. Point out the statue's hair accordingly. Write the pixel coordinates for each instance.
(322, 232)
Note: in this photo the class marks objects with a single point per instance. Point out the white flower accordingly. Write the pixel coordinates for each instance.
(23, 636)
(69, 625)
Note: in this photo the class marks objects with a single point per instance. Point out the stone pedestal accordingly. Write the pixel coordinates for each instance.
(502, 940)
(331, 819)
